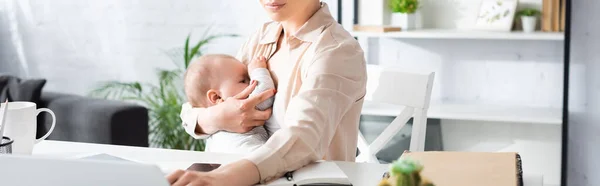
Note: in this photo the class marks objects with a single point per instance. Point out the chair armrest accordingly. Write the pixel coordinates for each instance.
(85, 119)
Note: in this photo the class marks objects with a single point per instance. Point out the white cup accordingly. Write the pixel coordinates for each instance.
(21, 126)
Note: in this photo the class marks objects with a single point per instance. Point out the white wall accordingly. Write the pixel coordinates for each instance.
(523, 73)
(75, 44)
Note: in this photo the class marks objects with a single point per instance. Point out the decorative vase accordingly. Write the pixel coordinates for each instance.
(406, 21)
(528, 23)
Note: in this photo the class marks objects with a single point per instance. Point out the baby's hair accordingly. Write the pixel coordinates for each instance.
(197, 78)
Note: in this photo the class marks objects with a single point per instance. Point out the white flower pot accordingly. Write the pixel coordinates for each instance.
(528, 23)
(406, 21)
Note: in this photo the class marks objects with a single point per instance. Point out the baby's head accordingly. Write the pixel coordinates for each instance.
(212, 78)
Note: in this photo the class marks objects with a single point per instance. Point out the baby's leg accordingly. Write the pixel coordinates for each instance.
(228, 142)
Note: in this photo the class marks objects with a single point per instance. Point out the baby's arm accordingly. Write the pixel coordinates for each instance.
(259, 72)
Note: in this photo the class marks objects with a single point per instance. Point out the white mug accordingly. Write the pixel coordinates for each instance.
(21, 126)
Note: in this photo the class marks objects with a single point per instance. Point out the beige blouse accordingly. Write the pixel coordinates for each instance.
(321, 77)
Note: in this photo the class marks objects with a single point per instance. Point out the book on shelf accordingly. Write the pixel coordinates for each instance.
(563, 15)
(555, 15)
(318, 173)
(547, 15)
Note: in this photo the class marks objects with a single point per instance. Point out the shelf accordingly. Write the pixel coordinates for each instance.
(476, 113)
(465, 34)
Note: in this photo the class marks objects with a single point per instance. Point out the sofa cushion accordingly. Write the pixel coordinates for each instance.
(17, 89)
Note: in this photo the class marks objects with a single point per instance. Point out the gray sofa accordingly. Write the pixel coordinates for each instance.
(79, 118)
(85, 119)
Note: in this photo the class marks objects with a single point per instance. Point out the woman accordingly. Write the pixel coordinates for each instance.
(320, 72)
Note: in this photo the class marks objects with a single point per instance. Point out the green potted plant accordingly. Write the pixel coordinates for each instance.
(405, 14)
(163, 99)
(405, 172)
(528, 19)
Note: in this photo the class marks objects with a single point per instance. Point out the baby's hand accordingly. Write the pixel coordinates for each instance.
(258, 62)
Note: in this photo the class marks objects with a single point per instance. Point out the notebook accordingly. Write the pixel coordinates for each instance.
(321, 173)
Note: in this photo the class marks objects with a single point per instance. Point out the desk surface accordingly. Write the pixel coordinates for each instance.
(169, 160)
(361, 174)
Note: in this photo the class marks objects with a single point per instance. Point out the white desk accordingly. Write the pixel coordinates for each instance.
(169, 160)
(361, 174)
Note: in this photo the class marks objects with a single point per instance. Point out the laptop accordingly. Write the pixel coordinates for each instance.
(33, 170)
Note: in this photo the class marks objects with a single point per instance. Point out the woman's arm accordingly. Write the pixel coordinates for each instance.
(241, 173)
(189, 116)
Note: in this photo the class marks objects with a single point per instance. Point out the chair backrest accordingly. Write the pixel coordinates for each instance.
(394, 86)
(390, 85)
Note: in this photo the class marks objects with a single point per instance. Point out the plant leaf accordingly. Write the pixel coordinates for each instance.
(115, 89)
(186, 49)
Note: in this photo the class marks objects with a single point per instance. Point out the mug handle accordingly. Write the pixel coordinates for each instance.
(53, 123)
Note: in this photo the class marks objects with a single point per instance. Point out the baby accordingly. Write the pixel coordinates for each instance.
(212, 78)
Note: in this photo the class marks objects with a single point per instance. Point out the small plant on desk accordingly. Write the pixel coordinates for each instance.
(405, 172)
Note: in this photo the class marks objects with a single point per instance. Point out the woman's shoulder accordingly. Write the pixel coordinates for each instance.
(336, 37)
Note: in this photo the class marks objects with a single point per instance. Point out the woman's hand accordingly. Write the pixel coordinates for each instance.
(237, 114)
(185, 178)
(242, 172)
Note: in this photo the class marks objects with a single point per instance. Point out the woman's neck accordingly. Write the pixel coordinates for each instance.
(292, 25)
